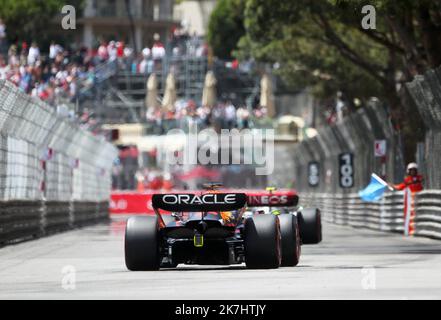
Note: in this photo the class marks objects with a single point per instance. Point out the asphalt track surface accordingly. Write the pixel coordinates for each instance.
(349, 264)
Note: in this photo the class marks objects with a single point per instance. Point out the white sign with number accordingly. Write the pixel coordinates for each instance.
(346, 164)
(313, 174)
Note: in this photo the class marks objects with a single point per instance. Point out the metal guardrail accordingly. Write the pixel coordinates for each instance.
(53, 174)
(24, 220)
(428, 215)
(384, 215)
(349, 209)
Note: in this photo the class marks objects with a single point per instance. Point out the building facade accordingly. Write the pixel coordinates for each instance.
(195, 15)
(132, 21)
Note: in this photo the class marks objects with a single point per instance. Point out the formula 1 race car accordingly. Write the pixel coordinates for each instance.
(212, 228)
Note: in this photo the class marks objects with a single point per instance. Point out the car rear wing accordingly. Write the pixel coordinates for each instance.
(187, 202)
(279, 198)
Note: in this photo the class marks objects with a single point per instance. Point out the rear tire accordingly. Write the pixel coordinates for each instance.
(142, 244)
(291, 248)
(262, 242)
(310, 224)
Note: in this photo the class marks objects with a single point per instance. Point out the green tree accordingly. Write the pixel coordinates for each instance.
(409, 31)
(30, 19)
(410, 28)
(326, 37)
(321, 43)
(226, 27)
(289, 35)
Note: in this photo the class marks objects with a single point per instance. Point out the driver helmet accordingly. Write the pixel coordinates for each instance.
(227, 216)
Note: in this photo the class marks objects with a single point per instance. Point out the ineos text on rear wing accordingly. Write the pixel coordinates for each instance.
(272, 199)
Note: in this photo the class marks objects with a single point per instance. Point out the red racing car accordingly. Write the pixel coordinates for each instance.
(263, 229)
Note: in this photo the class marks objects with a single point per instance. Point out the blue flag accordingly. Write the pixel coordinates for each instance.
(375, 190)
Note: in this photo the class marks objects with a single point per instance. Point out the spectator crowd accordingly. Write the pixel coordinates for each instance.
(150, 59)
(53, 77)
(61, 73)
(224, 115)
(58, 75)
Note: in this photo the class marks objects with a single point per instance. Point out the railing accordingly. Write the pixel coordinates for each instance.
(428, 217)
(385, 215)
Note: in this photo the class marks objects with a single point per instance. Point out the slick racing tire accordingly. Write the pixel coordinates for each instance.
(142, 244)
(310, 224)
(262, 241)
(291, 248)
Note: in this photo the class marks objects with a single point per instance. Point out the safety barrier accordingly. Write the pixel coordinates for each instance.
(23, 220)
(428, 214)
(53, 174)
(385, 215)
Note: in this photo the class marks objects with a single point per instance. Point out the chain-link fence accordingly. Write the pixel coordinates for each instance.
(333, 166)
(48, 167)
(426, 93)
(342, 157)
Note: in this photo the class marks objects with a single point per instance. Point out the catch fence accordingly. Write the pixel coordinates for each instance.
(425, 91)
(331, 168)
(341, 157)
(53, 174)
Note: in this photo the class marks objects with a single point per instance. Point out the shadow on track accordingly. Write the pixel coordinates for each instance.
(203, 268)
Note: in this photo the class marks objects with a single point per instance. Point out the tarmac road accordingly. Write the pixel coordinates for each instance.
(348, 264)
